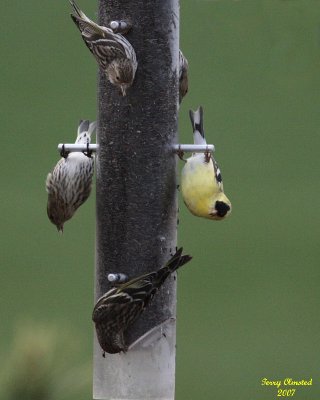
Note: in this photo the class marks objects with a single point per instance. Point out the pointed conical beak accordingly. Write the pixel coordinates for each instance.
(123, 90)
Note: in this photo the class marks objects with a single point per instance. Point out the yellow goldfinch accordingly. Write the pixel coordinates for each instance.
(201, 181)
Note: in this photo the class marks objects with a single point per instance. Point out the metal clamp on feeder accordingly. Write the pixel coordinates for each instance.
(120, 26)
(117, 277)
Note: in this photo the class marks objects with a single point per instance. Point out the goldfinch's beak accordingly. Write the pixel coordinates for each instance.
(222, 209)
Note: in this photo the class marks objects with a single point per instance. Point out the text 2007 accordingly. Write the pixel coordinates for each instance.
(286, 392)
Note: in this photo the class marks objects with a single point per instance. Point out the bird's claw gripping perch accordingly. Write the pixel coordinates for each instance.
(207, 156)
(63, 152)
(180, 154)
(88, 152)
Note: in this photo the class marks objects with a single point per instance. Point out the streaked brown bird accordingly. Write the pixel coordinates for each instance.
(117, 309)
(183, 76)
(69, 184)
(113, 52)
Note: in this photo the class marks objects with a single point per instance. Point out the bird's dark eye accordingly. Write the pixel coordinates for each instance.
(117, 78)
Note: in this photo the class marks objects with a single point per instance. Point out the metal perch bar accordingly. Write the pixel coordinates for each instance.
(192, 148)
(72, 147)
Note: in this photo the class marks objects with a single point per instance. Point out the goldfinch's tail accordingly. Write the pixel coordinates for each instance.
(196, 118)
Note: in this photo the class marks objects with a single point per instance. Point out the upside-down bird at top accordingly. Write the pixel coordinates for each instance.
(114, 54)
(69, 184)
(117, 309)
(183, 76)
(201, 180)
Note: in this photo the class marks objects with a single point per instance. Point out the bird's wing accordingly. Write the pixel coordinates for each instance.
(117, 312)
(89, 29)
(105, 50)
(217, 173)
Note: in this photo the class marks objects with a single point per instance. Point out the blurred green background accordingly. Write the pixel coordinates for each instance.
(250, 307)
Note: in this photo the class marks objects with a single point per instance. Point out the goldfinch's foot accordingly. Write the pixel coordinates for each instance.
(207, 156)
(180, 155)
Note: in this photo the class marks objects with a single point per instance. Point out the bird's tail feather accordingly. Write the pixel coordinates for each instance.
(177, 260)
(196, 118)
(76, 9)
(92, 128)
(87, 27)
(83, 126)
